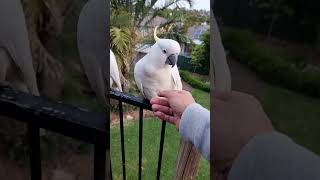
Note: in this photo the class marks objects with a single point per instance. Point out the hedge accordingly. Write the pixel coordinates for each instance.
(187, 77)
(184, 63)
(271, 67)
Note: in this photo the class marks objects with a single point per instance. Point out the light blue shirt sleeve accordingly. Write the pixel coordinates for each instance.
(195, 128)
(275, 156)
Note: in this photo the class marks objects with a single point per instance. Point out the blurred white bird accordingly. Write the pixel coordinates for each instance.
(114, 72)
(16, 66)
(93, 47)
(157, 70)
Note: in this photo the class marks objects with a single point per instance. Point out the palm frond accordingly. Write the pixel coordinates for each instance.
(121, 42)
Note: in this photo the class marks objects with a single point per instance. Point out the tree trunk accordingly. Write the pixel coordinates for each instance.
(270, 29)
(45, 19)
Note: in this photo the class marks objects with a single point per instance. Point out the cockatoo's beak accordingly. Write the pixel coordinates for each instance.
(172, 60)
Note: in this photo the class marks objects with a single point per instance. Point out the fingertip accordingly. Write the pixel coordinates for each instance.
(154, 107)
(157, 113)
(153, 101)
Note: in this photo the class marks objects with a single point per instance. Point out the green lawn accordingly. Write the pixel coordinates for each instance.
(151, 139)
(293, 114)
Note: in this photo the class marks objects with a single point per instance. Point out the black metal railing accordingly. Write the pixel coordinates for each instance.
(39, 112)
(70, 121)
(142, 104)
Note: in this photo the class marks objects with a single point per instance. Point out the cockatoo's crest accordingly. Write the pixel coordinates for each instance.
(167, 50)
(155, 34)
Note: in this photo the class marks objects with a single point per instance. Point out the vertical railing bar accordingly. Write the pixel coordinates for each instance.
(163, 130)
(122, 140)
(34, 150)
(111, 169)
(140, 139)
(99, 162)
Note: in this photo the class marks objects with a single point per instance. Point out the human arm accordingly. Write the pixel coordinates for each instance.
(191, 119)
(195, 127)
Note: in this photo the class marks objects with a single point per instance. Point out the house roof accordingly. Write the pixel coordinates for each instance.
(157, 21)
(194, 32)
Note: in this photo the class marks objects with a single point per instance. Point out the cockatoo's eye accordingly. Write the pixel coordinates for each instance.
(164, 51)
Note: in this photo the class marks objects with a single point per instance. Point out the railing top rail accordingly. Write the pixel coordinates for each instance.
(133, 100)
(55, 116)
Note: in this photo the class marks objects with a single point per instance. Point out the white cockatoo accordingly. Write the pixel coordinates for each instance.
(93, 48)
(114, 72)
(16, 66)
(157, 70)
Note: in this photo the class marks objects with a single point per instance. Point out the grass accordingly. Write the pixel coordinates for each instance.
(295, 115)
(201, 97)
(271, 67)
(203, 78)
(151, 139)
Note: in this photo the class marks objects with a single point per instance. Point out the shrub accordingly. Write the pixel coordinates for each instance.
(187, 77)
(270, 66)
(200, 56)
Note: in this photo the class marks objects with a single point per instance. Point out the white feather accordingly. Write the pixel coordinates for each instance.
(153, 75)
(114, 72)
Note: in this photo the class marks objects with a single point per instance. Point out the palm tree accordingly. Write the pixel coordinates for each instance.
(45, 22)
(126, 16)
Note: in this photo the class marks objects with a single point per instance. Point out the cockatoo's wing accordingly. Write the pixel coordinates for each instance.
(176, 78)
(92, 46)
(114, 71)
(15, 42)
(137, 77)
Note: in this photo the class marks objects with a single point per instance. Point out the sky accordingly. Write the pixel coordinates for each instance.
(201, 4)
(197, 4)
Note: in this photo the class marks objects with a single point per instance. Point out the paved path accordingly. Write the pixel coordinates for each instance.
(245, 80)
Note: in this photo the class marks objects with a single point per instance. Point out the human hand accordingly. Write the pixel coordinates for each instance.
(170, 105)
(237, 117)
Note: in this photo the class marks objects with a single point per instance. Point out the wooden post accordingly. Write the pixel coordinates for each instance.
(188, 161)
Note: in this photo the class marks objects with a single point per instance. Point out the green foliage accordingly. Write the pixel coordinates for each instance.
(169, 31)
(277, 8)
(175, 13)
(184, 63)
(137, 10)
(200, 56)
(294, 114)
(121, 42)
(187, 77)
(195, 17)
(120, 18)
(269, 66)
